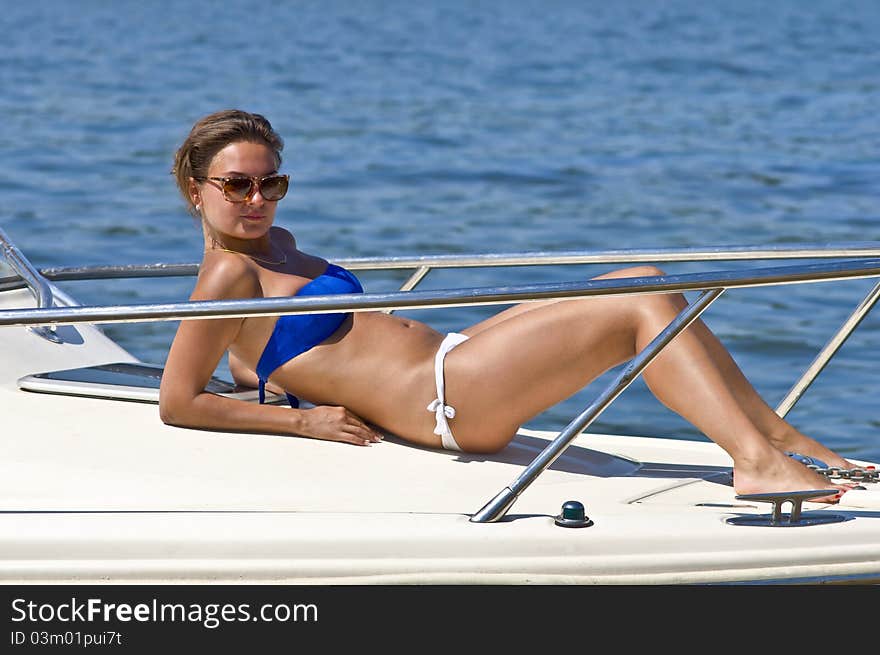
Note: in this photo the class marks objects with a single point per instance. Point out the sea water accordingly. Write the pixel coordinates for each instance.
(470, 127)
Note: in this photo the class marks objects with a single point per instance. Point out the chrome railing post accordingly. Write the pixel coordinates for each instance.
(498, 506)
(413, 280)
(38, 285)
(833, 345)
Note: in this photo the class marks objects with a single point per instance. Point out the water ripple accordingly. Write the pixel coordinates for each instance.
(452, 127)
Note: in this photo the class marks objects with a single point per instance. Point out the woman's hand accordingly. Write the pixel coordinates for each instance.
(336, 424)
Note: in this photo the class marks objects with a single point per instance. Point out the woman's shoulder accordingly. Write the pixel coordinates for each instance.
(283, 237)
(226, 275)
(305, 261)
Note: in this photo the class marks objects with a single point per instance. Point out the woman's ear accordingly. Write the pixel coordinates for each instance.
(194, 193)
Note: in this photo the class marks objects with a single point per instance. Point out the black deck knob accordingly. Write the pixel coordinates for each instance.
(572, 515)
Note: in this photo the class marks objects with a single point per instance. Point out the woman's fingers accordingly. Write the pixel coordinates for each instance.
(362, 432)
(361, 429)
(339, 424)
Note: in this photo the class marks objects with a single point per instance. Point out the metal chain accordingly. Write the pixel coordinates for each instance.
(856, 474)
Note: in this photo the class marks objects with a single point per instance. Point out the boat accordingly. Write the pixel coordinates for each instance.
(95, 488)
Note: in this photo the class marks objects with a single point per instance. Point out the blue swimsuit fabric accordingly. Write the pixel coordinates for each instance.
(297, 333)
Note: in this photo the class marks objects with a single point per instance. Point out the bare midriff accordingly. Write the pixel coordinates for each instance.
(377, 365)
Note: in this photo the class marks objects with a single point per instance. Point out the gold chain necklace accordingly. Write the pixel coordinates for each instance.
(217, 246)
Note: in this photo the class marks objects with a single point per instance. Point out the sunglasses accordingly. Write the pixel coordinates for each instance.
(238, 189)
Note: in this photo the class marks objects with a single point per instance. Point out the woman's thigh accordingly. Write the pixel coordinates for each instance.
(521, 308)
(513, 369)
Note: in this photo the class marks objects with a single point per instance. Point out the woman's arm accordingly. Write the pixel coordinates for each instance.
(241, 374)
(195, 353)
(245, 377)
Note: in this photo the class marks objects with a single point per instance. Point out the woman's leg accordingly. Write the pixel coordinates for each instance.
(778, 431)
(514, 368)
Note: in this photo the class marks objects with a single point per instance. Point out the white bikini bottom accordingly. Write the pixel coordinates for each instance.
(443, 411)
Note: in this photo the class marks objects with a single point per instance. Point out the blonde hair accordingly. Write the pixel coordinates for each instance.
(210, 135)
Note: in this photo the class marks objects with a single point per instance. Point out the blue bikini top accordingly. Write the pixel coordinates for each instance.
(295, 334)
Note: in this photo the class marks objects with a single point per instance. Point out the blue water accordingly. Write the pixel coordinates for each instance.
(462, 127)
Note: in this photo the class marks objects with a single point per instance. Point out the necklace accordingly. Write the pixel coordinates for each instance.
(217, 246)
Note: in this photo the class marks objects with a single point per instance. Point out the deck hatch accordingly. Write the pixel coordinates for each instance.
(123, 381)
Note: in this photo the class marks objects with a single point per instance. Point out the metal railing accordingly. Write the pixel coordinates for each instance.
(425, 263)
(36, 283)
(457, 297)
(828, 351)
(711, 284)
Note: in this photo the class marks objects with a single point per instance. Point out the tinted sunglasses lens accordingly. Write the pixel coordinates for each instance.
(237, 189)
(273, 188)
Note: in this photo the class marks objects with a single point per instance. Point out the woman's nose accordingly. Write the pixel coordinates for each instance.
(255, 198)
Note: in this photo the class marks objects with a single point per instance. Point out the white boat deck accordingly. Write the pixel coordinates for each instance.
(101, 490)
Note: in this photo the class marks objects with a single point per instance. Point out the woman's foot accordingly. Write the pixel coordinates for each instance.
(776, 472)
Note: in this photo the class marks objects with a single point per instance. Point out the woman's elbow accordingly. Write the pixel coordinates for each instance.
(172, 409)
(167, 414)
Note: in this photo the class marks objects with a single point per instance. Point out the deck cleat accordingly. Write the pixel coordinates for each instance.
(777, 519)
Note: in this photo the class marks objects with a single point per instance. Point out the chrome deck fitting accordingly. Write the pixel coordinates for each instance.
(777, 519)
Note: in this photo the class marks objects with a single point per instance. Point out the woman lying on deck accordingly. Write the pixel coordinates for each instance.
(434, 389)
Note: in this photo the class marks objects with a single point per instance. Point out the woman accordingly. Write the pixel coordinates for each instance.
(465, 391)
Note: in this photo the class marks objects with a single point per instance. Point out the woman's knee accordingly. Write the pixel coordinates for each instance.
(650, 304)
(665, 305)
(644, 270)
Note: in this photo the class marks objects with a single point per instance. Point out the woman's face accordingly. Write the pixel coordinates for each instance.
(250, 219)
